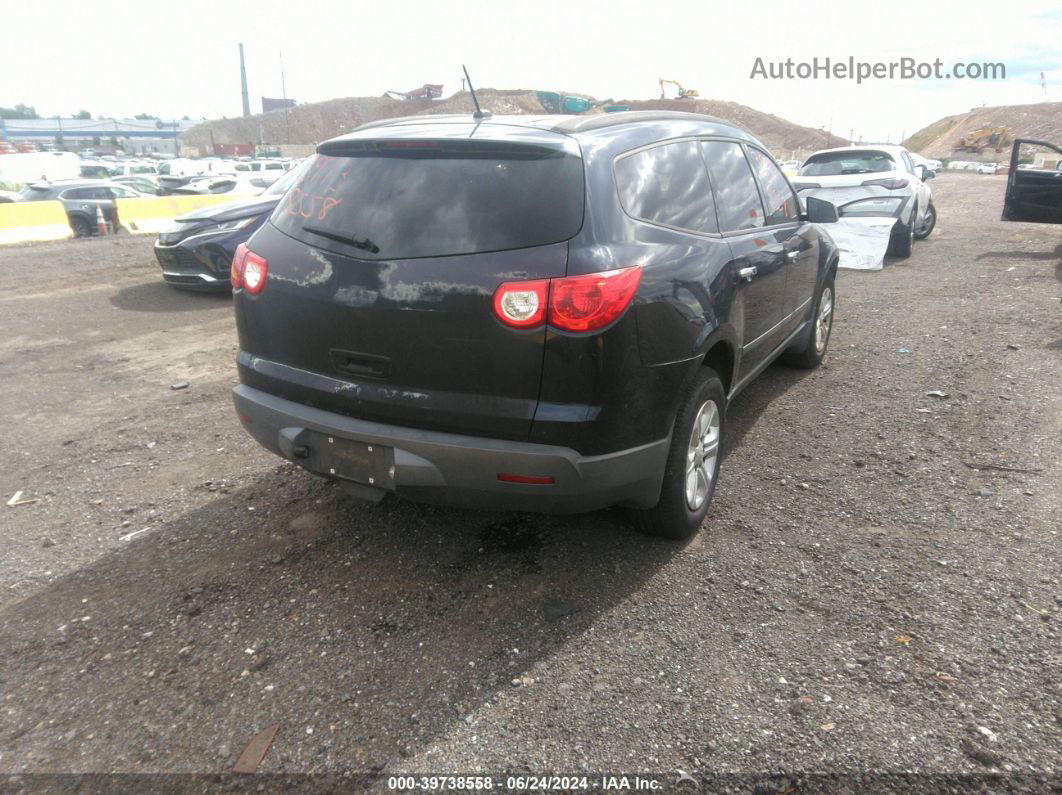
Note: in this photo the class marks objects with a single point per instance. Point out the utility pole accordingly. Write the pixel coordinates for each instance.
(243, 84)
(284, 97)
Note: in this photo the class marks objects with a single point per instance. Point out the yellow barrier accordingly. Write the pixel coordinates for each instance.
(21, 222)
(151, 214)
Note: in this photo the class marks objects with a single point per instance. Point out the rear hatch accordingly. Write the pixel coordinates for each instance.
(382, 263)
(844, 176)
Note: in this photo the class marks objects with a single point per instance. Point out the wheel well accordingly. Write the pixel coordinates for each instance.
(721, 359)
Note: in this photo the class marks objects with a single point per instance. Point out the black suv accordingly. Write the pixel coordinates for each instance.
(528, 313)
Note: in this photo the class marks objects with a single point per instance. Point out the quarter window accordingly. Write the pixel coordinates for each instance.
(736, 196)
(781, 203)
(668, 185)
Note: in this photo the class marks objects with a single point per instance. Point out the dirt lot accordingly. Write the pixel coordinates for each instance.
(877, 587)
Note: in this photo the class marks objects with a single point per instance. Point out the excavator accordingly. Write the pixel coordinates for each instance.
(977, 141)
(683, 93)
(426, 91)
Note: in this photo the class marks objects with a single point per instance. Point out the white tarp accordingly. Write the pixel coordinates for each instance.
(862, 241)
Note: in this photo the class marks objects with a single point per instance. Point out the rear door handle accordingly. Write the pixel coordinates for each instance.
(747, 273)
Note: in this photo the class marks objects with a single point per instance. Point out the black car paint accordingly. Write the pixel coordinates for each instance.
(413, 344)
(1033, 195)
(199, 258)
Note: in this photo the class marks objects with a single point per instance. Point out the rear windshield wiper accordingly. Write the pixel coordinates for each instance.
(352, 240)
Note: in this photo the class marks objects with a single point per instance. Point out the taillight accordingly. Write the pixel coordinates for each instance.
(888, 184)
(521, 304)
(593, 301)
(571, 303)
(249, 270)
(236, 272)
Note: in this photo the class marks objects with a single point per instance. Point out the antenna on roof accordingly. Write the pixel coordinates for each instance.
(480, 113)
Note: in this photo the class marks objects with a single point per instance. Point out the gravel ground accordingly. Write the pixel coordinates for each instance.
(876, 588)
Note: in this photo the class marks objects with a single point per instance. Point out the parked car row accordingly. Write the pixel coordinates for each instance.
(978, 167)
(482, 357)
(218, 175)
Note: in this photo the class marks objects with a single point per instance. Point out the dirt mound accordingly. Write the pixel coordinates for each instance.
(322, 120)
(500, 103)
(1042, 120)
(781, 137)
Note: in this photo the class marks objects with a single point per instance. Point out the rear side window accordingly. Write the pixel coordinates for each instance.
(736, 196)
(407, 199)
(81, 194)
(781, 203)
(667, 185)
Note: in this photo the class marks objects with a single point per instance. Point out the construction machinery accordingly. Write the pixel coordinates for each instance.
(683, 93)
(997, 138)
(426, 91)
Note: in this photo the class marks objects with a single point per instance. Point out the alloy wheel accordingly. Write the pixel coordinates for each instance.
(824, 320)
(701, 454)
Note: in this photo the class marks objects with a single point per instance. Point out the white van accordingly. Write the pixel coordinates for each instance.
(24, 168)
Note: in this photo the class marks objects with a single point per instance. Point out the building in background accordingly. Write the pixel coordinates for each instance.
(132, 136)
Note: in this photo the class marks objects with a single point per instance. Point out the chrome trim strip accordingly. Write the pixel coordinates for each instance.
(204, 276)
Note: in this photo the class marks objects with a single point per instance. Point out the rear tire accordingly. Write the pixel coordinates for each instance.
(692, 467)
(931, 222)
(818, 338)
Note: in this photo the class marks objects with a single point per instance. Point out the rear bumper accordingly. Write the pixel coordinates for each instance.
(454, 469)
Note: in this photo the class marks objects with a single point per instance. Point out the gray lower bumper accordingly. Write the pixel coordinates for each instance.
(461, 470)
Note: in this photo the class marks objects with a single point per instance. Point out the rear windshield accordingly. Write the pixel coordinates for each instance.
(407, 199)
(830, 164)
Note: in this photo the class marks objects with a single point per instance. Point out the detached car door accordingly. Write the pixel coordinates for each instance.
(1033, 194)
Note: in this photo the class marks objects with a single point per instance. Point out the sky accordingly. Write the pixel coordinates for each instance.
(182, 58)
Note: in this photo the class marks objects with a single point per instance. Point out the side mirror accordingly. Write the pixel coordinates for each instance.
(820, 211)
(926, 173)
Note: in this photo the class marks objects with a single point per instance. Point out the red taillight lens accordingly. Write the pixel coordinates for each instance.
(236, 272)
(249, 270)
(593, 301)
(571, 303)
(521, 304)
